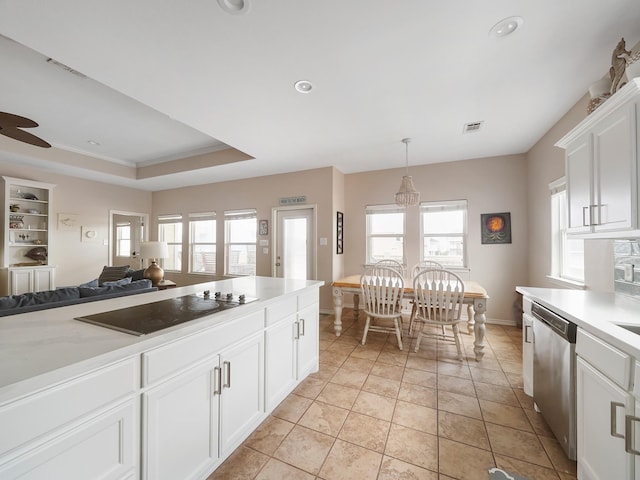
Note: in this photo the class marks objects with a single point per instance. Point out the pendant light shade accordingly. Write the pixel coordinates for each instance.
(407, 194)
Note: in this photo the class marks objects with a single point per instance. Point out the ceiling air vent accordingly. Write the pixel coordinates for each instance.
(66, 68)
(471, 127)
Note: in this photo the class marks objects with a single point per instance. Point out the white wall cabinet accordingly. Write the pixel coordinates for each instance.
(602, 167)
(26, 222)
(604, 402)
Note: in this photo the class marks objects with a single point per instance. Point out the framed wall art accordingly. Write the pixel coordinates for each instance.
(339, 233)
(496, 227)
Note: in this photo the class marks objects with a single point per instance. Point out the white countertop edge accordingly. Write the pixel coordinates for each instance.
(596, 312)
(30, 362)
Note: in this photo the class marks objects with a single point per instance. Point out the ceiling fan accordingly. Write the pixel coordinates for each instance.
(11, 126)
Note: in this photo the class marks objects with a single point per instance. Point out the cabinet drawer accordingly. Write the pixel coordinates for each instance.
(616, 365)
(40, 413)
(173, 357)
(307, 299)
(281, 309)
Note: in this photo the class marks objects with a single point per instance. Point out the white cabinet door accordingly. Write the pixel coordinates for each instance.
(308, 341)
(614, 169)
(106, 447)
(181, 425)
(602, 406)
(43, 279)
(280, 365)
(527, 353)
(21, 281)
(578, 171)
(242, 398)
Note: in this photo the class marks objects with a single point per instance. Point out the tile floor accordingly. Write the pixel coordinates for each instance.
(374, 412)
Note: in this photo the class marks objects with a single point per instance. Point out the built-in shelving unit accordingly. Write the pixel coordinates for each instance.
(26, 240)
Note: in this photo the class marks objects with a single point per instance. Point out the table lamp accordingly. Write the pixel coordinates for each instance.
(153, 251)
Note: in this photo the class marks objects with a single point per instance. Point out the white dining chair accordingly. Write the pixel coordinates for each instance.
(439, 294)
(382, 290)
(417, 268)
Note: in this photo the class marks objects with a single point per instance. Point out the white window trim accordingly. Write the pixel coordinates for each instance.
(171, 218)
(239, 214)
(195, 217)
(388, 208)
(465, 237)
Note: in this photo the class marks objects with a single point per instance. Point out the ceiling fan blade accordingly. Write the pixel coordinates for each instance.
(11, 120)
(23, 136)
(11, 124)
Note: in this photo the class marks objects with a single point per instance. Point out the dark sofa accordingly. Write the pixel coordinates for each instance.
(61, 297)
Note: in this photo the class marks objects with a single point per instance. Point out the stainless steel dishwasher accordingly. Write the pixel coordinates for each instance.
(554, 374)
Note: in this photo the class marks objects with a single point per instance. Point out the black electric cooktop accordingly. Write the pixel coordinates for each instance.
(151, 317)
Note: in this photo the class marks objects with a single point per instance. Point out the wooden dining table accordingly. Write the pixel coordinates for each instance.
(475, 297)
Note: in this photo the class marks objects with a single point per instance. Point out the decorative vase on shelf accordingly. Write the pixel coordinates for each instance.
(14, 207)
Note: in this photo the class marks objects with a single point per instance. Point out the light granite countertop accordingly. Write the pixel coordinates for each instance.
(598, 313)
(43, 347)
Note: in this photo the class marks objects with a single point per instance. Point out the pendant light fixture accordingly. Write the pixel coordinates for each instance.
(407, 194)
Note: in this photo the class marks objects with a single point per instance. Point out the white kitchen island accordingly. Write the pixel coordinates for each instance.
(80, 401)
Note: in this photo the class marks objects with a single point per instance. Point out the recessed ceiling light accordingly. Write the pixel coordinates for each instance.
(235, 7)
(506, 27)
(303, 86)
(93, 142)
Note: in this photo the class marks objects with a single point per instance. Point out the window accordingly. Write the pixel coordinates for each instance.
(202, 243)
(123, 239)
(444, 232)
(567, 253)
(385, 233)
(170, 231)
(240, 230)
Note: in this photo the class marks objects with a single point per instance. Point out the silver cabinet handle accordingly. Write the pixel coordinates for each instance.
(614, 421)
(227, 371)
(296, 335)
(217, 380)
(302, 323)
(527, 329)
(629, 437)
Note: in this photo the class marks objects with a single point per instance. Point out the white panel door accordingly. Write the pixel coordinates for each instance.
(242, 398)
(280, 365)
(181, 426)
(615, 171)
(602, 406)
(579, 184)
(295, 243)
(308, 340)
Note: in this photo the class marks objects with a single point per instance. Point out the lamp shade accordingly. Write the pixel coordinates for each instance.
(154, 250)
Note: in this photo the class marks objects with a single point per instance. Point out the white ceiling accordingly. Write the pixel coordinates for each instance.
(169, 79)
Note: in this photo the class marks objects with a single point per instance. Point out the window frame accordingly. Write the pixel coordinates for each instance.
(371, 210)
(446, 205)
(559, 238)
(229, 216)
(193, 219)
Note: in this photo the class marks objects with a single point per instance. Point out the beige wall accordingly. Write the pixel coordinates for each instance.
(545, 163)
(263, 194)
(490, 185)
(80, 261)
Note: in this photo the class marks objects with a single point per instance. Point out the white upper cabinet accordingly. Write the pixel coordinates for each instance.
(601, 168)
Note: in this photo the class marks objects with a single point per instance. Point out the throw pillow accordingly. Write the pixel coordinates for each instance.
(135, 274)
(111, 274)
(92, 284)
(122, 281)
